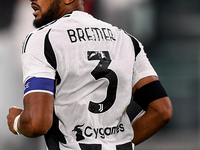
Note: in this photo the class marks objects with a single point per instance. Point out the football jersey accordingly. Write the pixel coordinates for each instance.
(95, 66)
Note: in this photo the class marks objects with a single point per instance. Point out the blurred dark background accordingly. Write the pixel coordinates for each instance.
(170, 32)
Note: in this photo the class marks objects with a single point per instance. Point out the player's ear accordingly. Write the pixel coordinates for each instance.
(67, 2)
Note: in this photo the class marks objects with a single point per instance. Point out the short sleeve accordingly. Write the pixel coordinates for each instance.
(142, 67)
(34, 61)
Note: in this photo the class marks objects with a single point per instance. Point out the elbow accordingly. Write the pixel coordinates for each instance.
(162, 109)
(38, 129)
(166, 113)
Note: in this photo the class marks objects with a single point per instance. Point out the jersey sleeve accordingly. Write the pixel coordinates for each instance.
(34, 61)
(142, 67)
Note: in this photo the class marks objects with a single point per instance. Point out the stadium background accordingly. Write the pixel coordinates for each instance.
(170, 32)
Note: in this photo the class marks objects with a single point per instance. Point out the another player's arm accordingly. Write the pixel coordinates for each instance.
(37, 117)
(157, 114)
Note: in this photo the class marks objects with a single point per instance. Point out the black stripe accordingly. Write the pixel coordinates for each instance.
(25, 43)
(44, 26)
(136, 45)
(54, 135)
(126, 146)
(49, 53)
(67, 15)
(50, 56)
(90, 146)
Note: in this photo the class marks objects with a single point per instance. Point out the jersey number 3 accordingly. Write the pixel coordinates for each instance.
(102, 71)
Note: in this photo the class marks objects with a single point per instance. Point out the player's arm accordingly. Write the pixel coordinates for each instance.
(39, 67)
(157, 110)
(37, 117)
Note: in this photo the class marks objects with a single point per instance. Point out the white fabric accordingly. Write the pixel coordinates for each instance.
(78, 86)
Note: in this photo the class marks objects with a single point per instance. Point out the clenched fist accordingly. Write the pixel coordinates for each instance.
(13, 113)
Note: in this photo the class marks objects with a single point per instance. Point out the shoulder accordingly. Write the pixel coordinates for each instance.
(36, 38)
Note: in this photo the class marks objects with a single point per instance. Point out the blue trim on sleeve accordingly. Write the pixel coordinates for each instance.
(35, 84)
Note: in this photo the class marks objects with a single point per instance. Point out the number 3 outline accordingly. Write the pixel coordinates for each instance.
(102, 71)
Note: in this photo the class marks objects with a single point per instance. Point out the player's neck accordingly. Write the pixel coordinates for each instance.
(67, 10)
(70, 8)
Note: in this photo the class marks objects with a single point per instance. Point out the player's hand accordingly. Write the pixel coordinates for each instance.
(13, 113)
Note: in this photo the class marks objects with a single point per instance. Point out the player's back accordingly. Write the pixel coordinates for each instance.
(94, 69)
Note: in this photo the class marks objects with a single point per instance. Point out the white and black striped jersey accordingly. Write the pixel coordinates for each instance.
(94, 65)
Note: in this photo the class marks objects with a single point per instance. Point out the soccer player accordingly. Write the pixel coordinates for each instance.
(79, 75)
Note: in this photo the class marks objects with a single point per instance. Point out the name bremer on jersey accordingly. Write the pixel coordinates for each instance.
(82, 131)
(90, 34)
